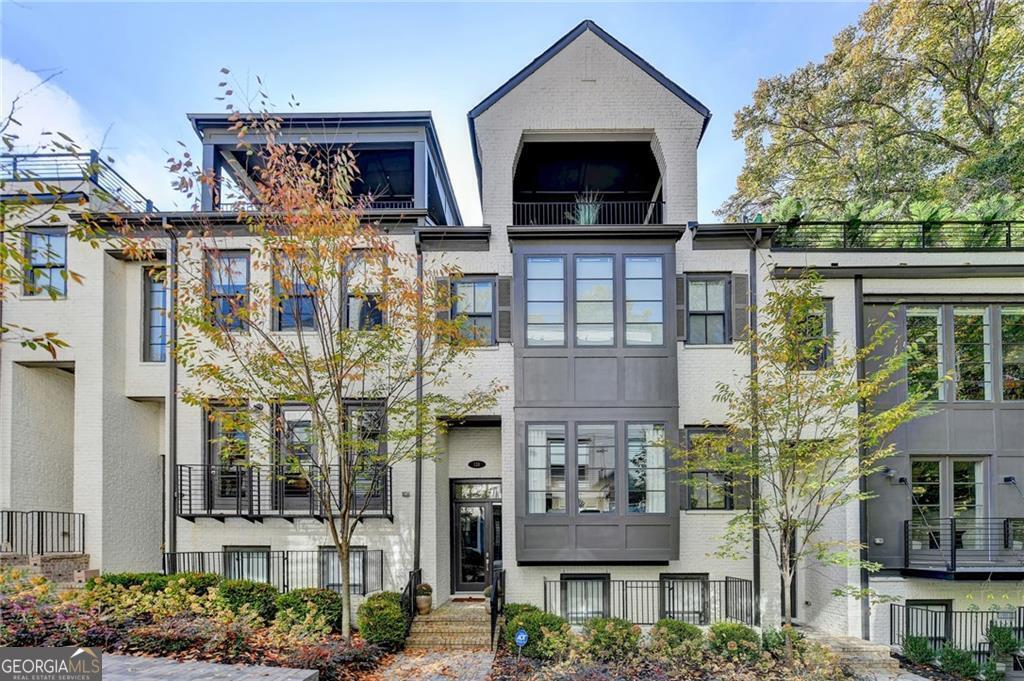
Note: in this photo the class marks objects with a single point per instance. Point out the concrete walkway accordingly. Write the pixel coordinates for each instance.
(128, 668)
(438, 665)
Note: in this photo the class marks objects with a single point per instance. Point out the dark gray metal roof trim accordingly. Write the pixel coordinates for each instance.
(903, 271)
(546, 56)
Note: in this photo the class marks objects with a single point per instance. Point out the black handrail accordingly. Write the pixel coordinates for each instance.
(407, 600)
(286, 570)
(38, 533)
(497, 599)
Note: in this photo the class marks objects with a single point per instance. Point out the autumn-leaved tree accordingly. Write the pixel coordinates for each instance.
(321, 354)
(806, 428)
(920, 101)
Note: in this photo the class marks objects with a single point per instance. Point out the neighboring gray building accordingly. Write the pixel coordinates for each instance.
(613, 316)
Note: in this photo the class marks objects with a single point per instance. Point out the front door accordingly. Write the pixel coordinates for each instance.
(476, 533)
(945, 488)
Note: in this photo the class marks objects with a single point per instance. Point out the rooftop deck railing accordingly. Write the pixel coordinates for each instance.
(899, 235)
(397, 203)
(960, 545)
(697, 601)
(62, 167)
(286, 570)
(588, 213)
(35, 533)
(264, 491)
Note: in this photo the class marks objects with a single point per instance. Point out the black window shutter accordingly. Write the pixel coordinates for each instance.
(504, 311)
(681, 307)
(740, 305)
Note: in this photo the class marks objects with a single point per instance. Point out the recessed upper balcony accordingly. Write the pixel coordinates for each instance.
(587, 183)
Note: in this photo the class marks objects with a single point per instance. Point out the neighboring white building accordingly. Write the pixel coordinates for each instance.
(594, 379)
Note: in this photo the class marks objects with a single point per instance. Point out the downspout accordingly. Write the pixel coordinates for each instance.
(754, 482)
(172, 387)
(865, 579)
(418, 512)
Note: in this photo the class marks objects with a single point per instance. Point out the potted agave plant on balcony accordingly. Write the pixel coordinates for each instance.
(424, 598)
(587, 208)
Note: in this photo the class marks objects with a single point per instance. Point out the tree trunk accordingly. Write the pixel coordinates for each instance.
(346, 591)
(787, 585)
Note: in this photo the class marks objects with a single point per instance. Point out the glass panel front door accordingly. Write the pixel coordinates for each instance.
(473, 550)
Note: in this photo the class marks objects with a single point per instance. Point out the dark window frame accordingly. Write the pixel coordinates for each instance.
(234, 549)
(566, 465)
(148, 347)
(828, 332)
(729, 489)
(214, 296)
(1004, 395)
(665, 467)
(626, 301)
(31, 271)
(988, 317)
(574, 498)
(615, 278)
(330, 550)
(492, 315)
(726, 312)
(370, 297)
(378, 472)
(703, 578)
(565, 579)
(293, 300)
(564, 258)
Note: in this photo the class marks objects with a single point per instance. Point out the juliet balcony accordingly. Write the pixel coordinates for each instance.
(257, 492)
(964, 548)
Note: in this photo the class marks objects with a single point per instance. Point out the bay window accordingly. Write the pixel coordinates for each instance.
(595, 300)
(972, 340)
(644, 300)
(595, 465)
(545, 300)
(645, 454)
(545, 468)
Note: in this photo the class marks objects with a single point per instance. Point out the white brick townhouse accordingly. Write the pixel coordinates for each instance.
(612, 316)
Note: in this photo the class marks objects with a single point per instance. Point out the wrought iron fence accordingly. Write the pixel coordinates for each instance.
(262, 491)
(965, 629)
(588, 212)
(900, 235)
(41, 532)
(286, 570)
(89, 167)
(964, 544)
(694, 600)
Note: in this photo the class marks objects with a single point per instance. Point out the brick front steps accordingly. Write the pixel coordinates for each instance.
(863, 659)
(453, 626)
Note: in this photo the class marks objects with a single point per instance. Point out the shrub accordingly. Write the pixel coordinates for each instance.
(424, 589)
(670, 634)
(953, 660)
(149, 581)
(261, 597)
(307, 624)
(774, 640)
(196, 582)
(734, 641)
(513, 610)
(917, 650)
(990, 672)
(327, 603)
(533, 621)
(382, 621)
(1004, 641)
(611, 639)
(558, 644)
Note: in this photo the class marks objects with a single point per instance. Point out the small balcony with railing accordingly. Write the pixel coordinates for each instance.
(260, 491)
(67, 174)
(964, 548)
(587, 183)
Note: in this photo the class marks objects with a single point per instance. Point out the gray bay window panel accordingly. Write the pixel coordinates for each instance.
(585, 385)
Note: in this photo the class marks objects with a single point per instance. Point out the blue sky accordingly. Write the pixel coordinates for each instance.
(129, 72)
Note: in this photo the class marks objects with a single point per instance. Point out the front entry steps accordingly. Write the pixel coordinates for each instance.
(458, 625)
(863, 659)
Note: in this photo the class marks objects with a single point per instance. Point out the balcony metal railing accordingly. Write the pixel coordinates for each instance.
(263, 491)
(286, 570)
(35, 533)
(697, 601)
(964, 544)
(965, 629)
(373, 205)
(86, 166)
(596, 213)
(900, 235)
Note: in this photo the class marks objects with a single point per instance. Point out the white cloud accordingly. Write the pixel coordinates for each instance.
(42, 107)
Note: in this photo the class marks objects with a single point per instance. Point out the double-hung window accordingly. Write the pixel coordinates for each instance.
(362, 299)
(545, 300)
(816, 336)
(710, 490)
(46, 261)
(474, 301)
(294, 297)
(154, 314)
(595, 300)
(367, 446)
(545, 468)
(1013, 352)
(972, 343)
(228, 274)
(707, 317)
(645, 316)
(925, 342)
(595, 465)
(645, 453)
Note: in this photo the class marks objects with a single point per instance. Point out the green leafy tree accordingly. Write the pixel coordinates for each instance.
(366, 363)
(920, 101)
(806, 428)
